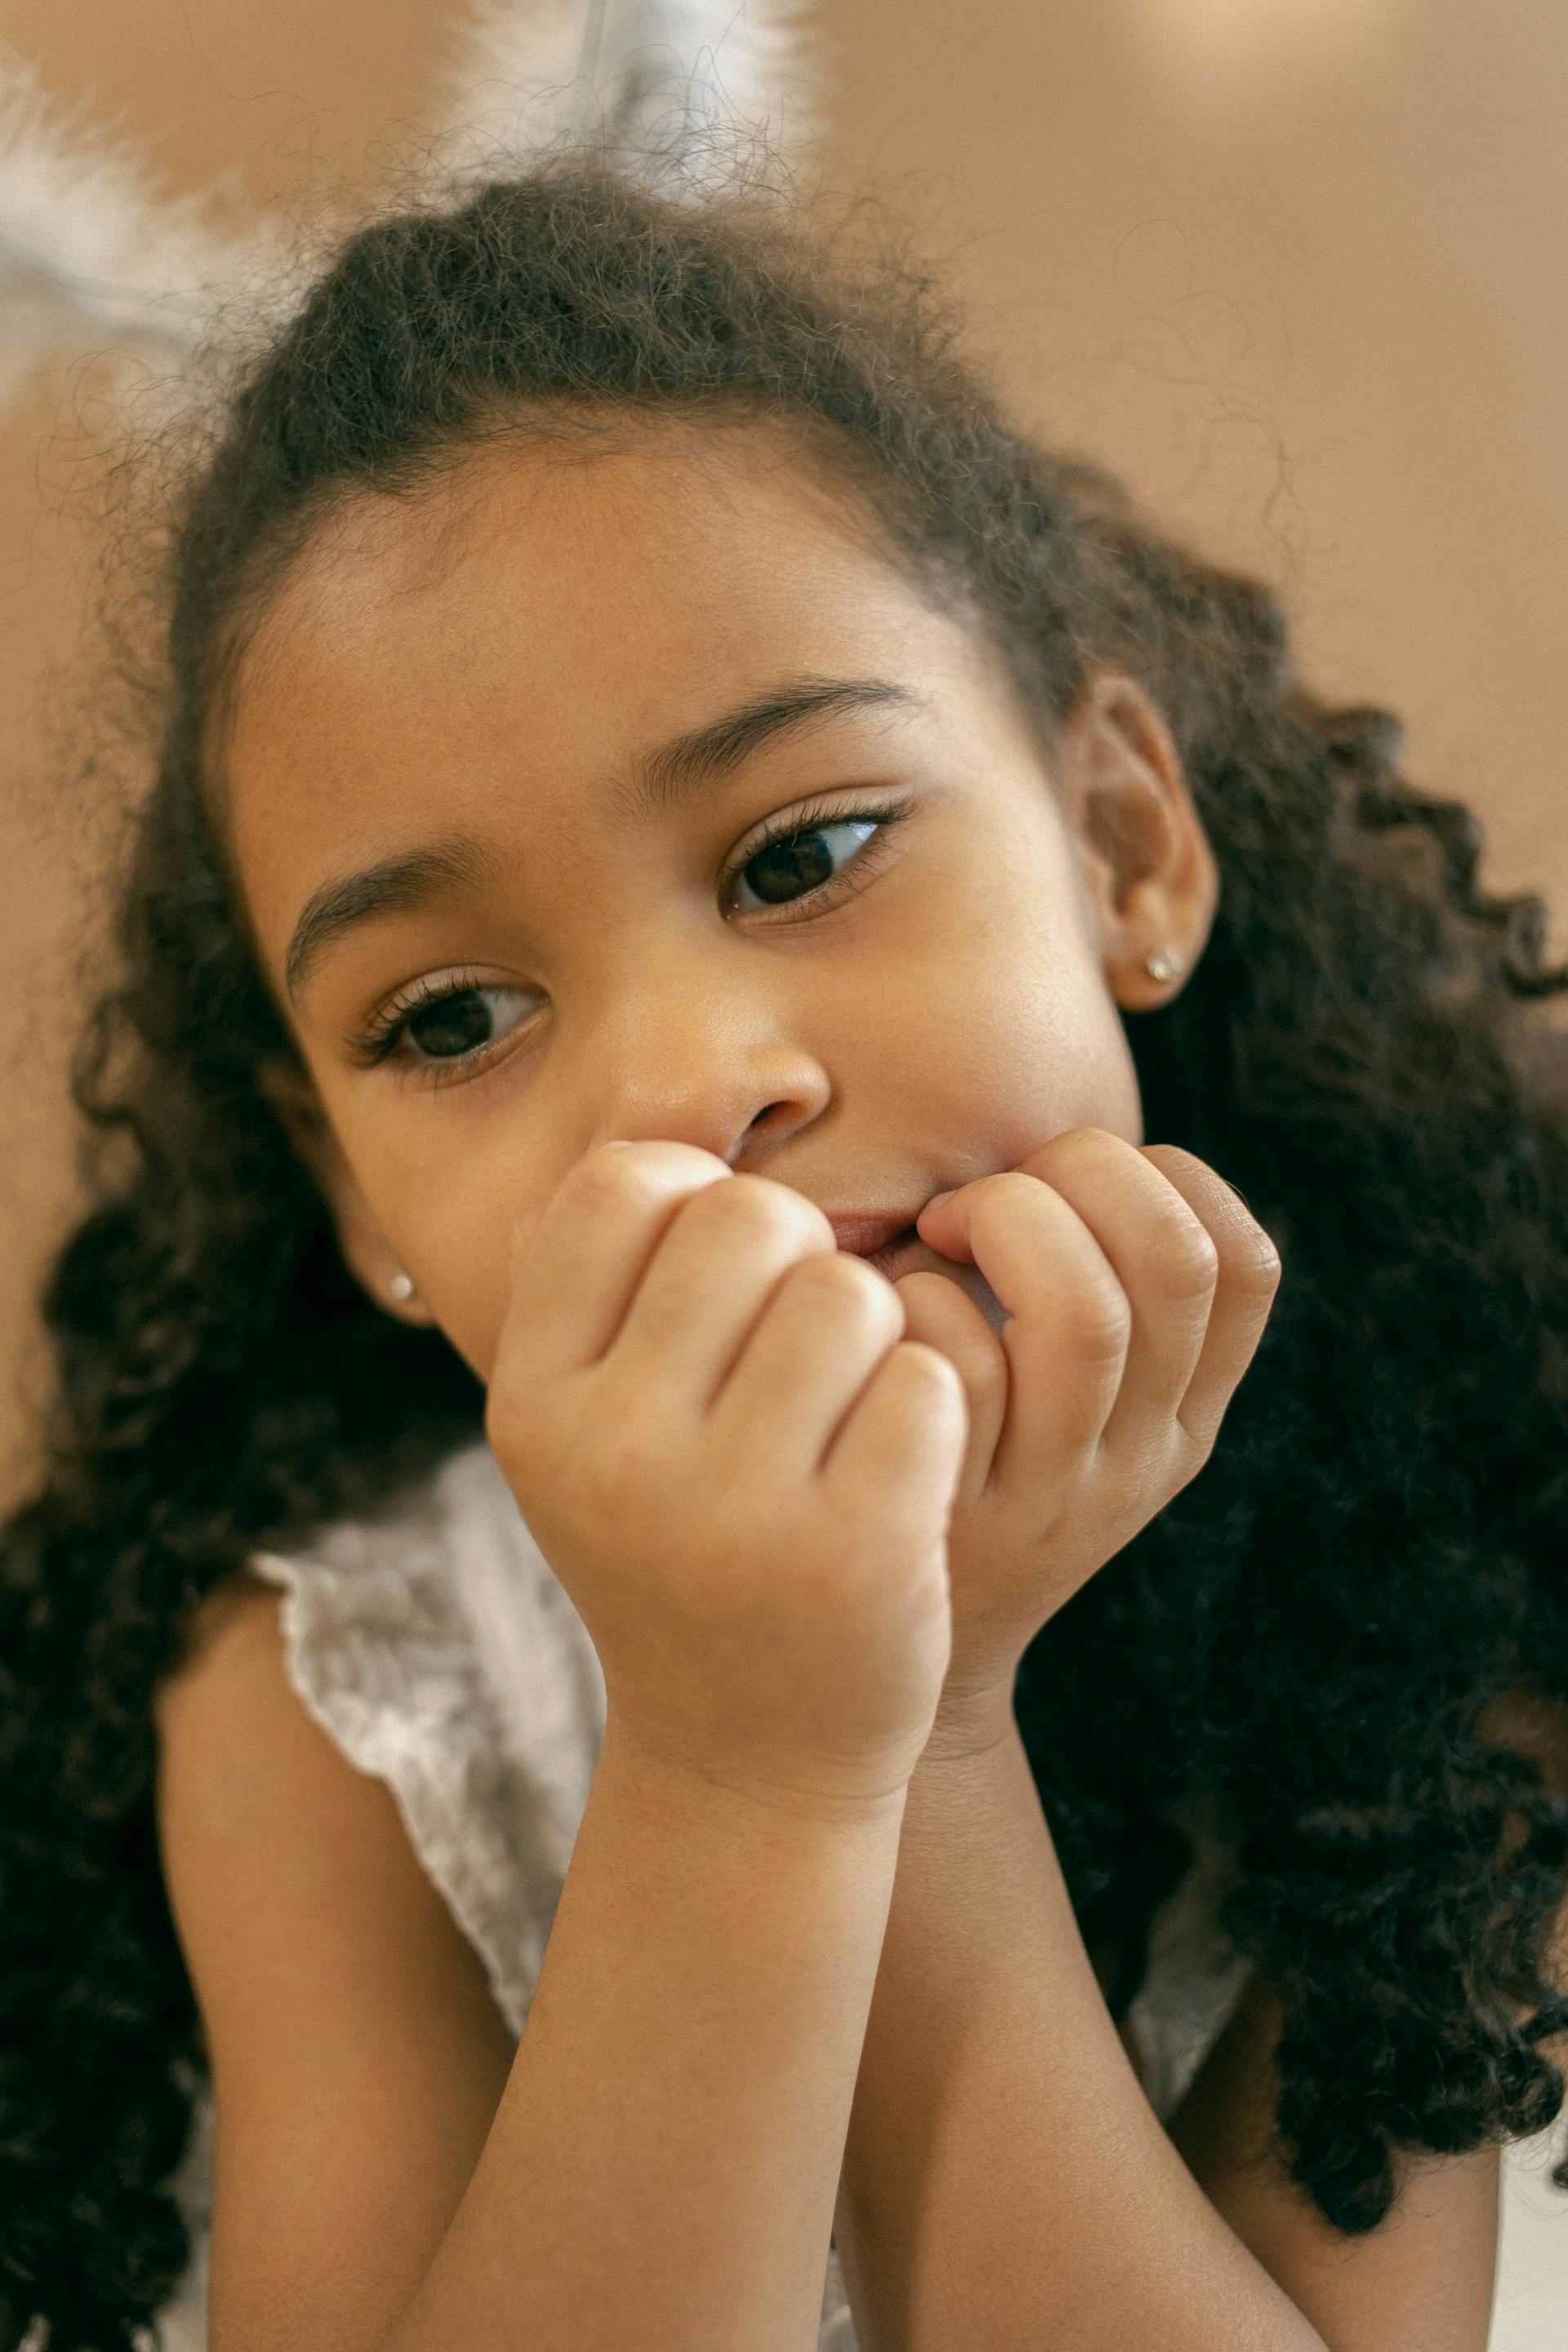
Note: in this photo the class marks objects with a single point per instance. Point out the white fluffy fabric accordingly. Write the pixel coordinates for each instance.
(95, 257)
(671, 78)
(92, 253)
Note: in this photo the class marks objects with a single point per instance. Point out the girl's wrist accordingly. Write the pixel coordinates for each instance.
(974, 1720)
(677, 1787)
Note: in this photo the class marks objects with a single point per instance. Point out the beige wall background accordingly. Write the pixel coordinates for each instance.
(1295, 266)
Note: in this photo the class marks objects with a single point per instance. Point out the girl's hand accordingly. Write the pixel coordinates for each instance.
(739, 1468)
(1138, 1287)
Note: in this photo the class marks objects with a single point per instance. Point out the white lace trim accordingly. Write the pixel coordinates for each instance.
(1194, 1975)
(379, 1649)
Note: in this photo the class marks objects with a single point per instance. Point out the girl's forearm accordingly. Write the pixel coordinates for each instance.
(662, 2167)
(1006, 2184)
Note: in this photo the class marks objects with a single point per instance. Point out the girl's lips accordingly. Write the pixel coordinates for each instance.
(896, 1256)
(872, 1231)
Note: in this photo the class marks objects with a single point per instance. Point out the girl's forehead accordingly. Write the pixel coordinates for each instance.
(552, 614)
(572, 534)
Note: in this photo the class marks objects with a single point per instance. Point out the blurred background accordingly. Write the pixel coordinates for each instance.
(1293, 267)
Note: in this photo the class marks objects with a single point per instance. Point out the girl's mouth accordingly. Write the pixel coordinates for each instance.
(895, 1256)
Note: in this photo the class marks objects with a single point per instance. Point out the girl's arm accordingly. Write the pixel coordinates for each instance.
(1006, 2183)
(662, 2165)
(658, 2167)
(742, 1476)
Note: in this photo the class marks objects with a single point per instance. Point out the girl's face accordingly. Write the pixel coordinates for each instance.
(500, 768)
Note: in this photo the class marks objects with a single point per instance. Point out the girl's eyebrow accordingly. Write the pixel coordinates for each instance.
(395, 886)
(662, 777)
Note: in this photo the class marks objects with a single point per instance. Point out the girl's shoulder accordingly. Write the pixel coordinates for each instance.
(434, 1644)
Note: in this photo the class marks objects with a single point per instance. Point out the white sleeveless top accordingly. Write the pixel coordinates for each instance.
(440, 1653)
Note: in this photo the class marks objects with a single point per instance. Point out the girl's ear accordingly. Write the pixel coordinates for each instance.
(1149, 867)
(366, 1251)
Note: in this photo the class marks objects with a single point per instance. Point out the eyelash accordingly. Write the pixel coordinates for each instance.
(379, 1040)
(818, 819)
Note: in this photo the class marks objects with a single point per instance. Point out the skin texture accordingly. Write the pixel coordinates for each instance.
(570, 616)
(729, 1438)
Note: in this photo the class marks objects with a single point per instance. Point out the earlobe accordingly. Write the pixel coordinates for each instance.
(366, 1251)
(1149, 868)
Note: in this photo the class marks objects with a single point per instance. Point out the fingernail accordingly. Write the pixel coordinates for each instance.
(936, 1201)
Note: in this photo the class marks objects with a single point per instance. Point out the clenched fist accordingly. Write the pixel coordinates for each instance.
(1137, 1286)
(738, 1467)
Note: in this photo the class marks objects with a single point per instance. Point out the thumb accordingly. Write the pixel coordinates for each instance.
(944, 1228)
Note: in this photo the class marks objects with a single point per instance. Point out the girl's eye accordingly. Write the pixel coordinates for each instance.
(444, 1028)
(802, 857)
(457, 1024)
(456, 1027)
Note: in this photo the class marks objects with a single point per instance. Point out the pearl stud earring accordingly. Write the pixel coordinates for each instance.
(1160, 963)
(401, 1284)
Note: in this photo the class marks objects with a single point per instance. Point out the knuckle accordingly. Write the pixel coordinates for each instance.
(1006, 1184)
(1261, 1265)
(756, 1205)
(919, 1382)
(1183, 1257)
(607, 1178)
(1097, 1324)
(1249, 1259)
(1075, 1143)
(641, 1170)
(1168, 1156)
(1191, 1450)
(981, 1368)
(843, 1281)
(1248, 1250)
(728, 1205)
(925, 1365)
(933, 1304)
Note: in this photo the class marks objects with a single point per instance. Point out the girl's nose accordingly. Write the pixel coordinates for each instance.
(683, 1059)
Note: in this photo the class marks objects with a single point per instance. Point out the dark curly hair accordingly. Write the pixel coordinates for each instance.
(1322, 1638)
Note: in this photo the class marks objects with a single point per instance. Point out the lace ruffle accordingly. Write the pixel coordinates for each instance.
(381, 1647)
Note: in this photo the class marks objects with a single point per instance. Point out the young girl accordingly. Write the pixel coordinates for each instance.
(629, 1317)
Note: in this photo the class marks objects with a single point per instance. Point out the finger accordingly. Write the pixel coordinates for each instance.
(1069, 1322)
(828, 1324)
(942, 1317)
(577, 1260)
(1248, 1278)
(707, 1280)
(1161, 1254)
(906, 1435)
